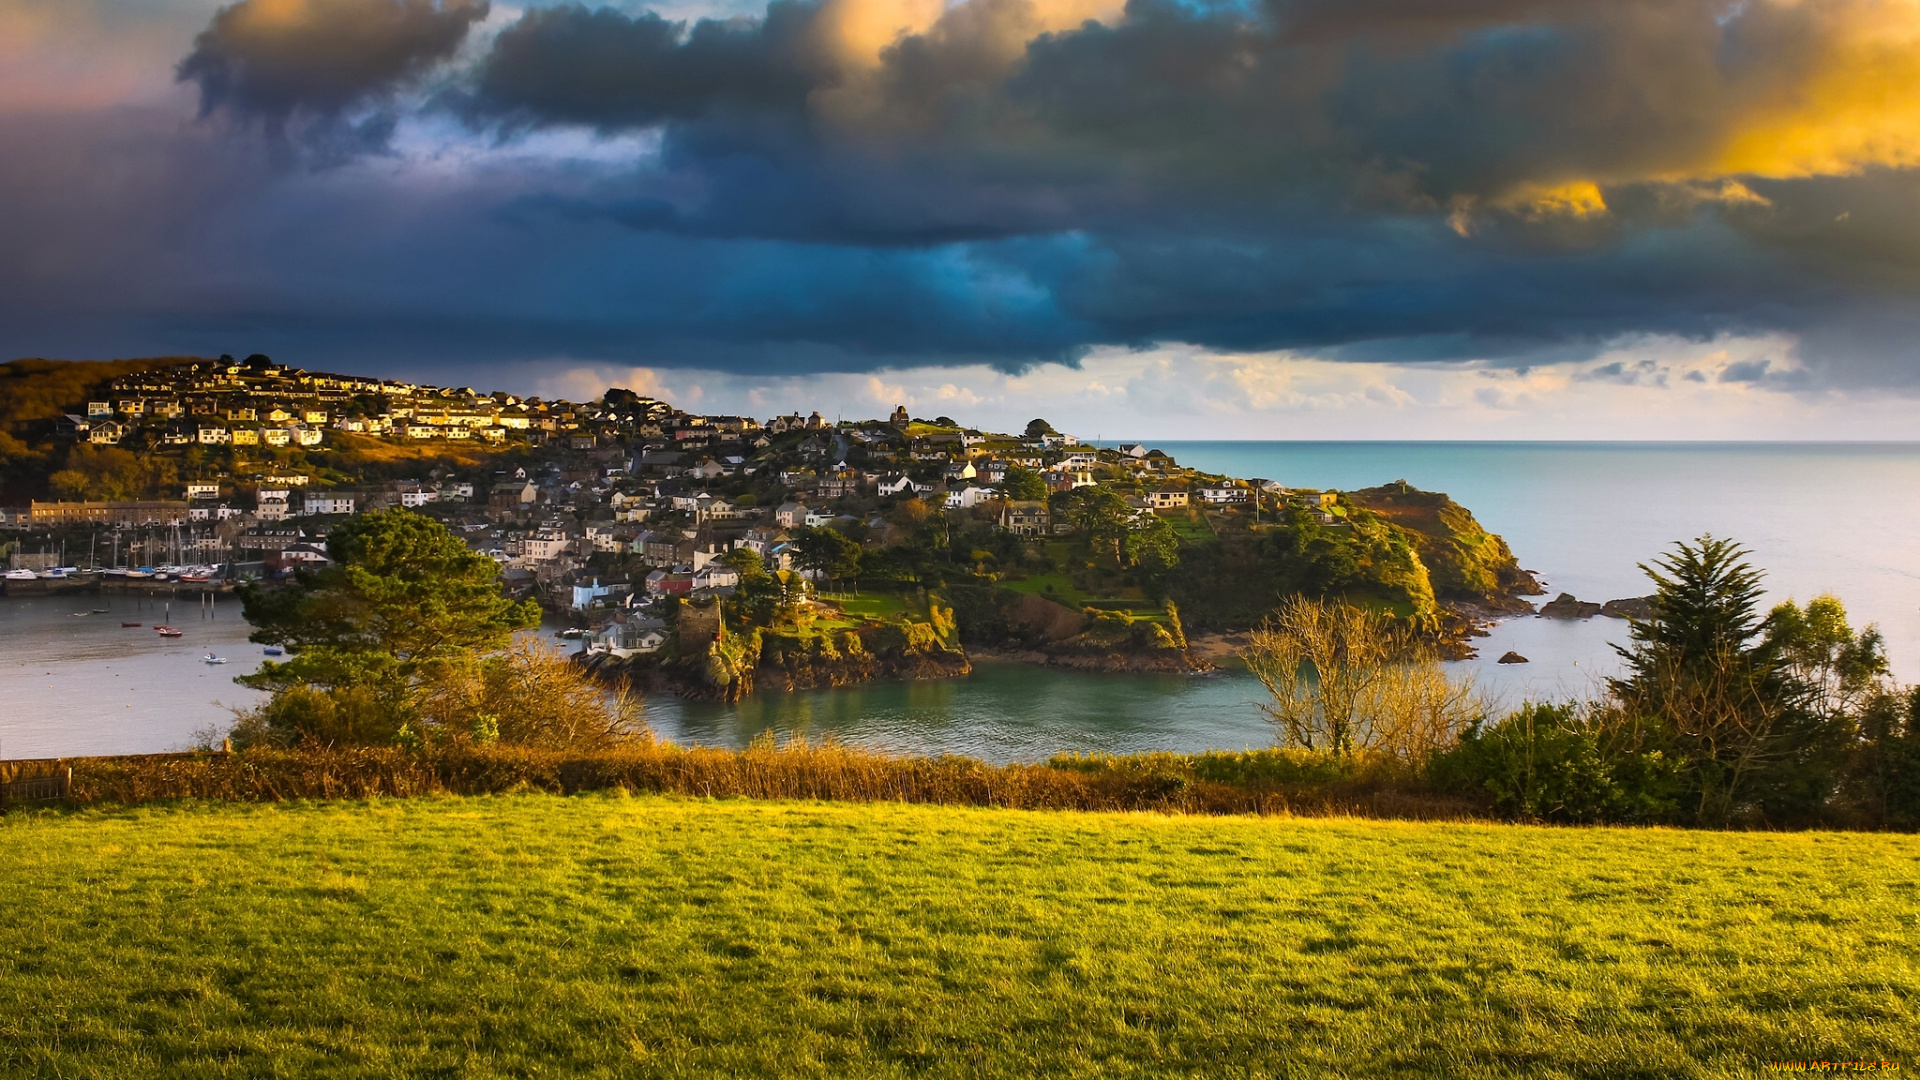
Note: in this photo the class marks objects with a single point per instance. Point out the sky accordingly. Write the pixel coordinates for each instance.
(1634, 219)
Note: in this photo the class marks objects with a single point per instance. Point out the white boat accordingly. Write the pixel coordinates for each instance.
(21, 575)
(212, 659)
(58, 573)
(118, 571)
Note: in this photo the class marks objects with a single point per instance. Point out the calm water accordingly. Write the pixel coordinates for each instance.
(74, 685)
(1820, 518)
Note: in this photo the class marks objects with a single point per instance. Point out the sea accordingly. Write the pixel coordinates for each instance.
(1838, 518)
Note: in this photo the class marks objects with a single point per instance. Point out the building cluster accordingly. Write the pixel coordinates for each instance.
(259, 403)
(619, 499)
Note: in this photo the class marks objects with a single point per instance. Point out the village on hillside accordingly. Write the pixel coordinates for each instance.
(619, 513)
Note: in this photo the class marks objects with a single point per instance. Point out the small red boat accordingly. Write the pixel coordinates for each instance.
(127, 624)
(168, 631)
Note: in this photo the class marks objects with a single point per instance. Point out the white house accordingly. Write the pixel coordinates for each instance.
(790, 515)
(968, 497)
(203, 491)
(1222, 494)
(417, 497)
(304, 554)
(894, 485)
(329, 504)
(212, 513)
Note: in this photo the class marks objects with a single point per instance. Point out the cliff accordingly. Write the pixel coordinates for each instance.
(1464, 561)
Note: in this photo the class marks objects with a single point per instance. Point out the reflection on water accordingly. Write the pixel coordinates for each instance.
(86, 685)
(1003, 712)
(1023, 712)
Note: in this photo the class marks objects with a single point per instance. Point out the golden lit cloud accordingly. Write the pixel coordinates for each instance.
(1854, 102)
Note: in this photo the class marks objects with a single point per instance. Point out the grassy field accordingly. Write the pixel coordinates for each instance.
(874, 606)
(611, 936)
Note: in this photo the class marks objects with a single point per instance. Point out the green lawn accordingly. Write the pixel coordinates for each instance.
(1064, 590)
(603, 936)
(874, 606)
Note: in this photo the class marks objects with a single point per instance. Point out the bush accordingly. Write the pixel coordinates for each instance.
(1552, 763)
(903, 638)
(530, 695)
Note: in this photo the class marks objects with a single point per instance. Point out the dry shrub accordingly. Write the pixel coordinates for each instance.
(531, 695)
(1344, 680)
(797, 770)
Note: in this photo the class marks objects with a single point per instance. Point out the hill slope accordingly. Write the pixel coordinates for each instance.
(1464, 561)
(599, 935)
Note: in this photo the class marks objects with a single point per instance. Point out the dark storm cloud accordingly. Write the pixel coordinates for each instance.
(1518, 180)
(608, 70)
(271, 60)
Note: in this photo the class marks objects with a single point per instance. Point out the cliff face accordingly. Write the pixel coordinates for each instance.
(1464, 561)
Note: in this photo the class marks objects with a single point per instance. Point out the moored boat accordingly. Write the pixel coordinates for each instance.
(168, 631)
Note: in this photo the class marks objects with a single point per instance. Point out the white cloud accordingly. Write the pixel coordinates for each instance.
(1638, 388)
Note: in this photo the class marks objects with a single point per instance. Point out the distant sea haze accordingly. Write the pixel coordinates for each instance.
(1840, 518)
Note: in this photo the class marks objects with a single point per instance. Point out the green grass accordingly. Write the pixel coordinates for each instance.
(608, 936)
(873, 606)
(1063, 591)
(1190, 529)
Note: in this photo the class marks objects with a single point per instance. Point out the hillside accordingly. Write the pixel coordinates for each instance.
(1464, 561)
(602, 935)
(35, 393)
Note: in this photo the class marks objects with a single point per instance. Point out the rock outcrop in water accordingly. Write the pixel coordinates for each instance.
(1635, 607)
(1566, 606)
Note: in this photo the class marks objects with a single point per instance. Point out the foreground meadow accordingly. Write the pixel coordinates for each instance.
(601, 935)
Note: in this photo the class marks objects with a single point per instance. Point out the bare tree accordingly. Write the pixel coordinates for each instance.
(1346, 679)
